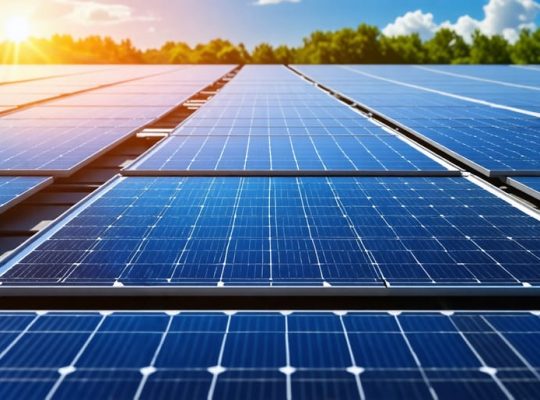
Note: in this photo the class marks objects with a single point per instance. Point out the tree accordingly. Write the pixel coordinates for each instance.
(263, 54)
(446, 47)
(489, 49)
(230, 55)
(284, 55)
(527, 49)
(317, 49)
(406, 49)
(365, 44)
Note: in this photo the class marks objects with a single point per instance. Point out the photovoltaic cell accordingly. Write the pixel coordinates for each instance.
(15, 189)
(287, 232)
(271, 355)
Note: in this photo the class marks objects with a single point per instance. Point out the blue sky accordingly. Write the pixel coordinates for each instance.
(151, 22)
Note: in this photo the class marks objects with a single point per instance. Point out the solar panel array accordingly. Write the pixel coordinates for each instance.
(271, 355)
(489, 125)
(212, 231)
(267, 119)
(426, 228)
(15, 189)
(59, 137)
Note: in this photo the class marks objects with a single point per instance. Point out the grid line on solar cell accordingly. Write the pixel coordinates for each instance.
(15, 189)
(299, 232)
(299, 355)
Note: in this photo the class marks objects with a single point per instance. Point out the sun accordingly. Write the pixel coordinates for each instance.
(17, 29)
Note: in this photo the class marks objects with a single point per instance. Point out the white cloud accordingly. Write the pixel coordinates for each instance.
(270, 2)
(502, 17)
(95, 12)
(412, 22)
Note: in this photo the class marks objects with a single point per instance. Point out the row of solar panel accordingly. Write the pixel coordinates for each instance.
(161, 83)
(271, 355)
(227, 135)
(11, 73)
(19, 94)
(287, 231)
(487, 118)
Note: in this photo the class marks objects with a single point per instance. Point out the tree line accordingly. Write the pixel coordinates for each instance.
(363, 45)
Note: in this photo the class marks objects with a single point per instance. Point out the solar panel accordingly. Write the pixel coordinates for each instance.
(271, 355)
(18, 94)
(523, 96)
(288, 231)
(379, 154)
(527, 184)
(60, 137)
(495, 141)
(16, 189)
(57, 151)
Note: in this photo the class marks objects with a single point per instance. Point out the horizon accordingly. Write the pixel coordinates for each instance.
(253, 22)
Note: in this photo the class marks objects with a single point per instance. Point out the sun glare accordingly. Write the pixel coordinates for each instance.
(17, 29)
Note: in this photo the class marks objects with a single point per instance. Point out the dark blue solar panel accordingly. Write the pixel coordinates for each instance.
(380, 153)
(14, 189)
(271, 355)
(495, 141)
(287, 231)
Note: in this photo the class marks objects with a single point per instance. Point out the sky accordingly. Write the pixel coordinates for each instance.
(149, 23)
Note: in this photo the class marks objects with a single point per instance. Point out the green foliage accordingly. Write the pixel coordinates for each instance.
(363, 45)
(403, 49)
(489, 49)
(446, 47)
(263, 54)
(527, 49)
